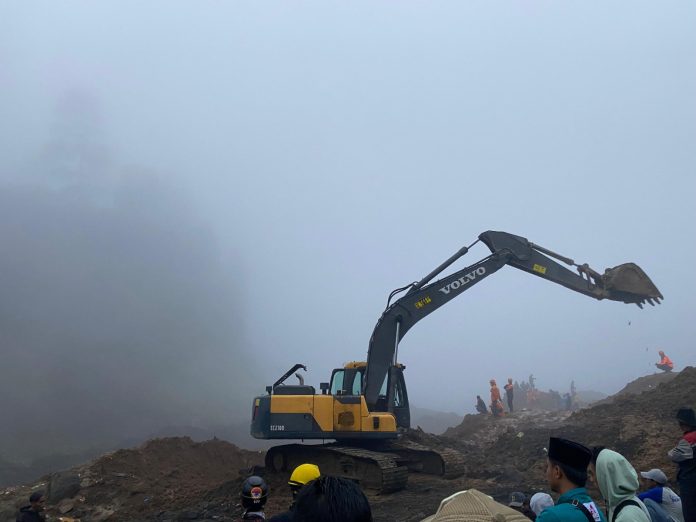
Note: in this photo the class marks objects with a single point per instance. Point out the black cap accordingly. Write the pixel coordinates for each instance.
(687, 416)
(569, 453)
(517, 499)
(36, 496)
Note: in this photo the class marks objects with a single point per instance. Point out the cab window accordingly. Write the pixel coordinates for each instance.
(357, 383)
(346, 382)
(337, 382)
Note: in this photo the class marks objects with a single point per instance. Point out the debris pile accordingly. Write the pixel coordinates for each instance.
(638, 422)
(165, 479)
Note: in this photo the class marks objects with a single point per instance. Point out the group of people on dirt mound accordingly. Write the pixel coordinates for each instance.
(531, 394)
(496, 407)
(530, 397)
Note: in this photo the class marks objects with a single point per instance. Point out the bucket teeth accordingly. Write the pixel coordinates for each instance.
(630, 284)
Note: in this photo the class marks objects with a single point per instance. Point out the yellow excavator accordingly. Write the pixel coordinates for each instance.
(364, 407)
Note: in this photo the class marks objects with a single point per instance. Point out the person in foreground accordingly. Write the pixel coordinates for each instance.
(301, 475)
(660, 493)
(540, 502)
(618, 483)
(566, 473)
(684, 455)
(332, 499)
(254, 495)
(475, 506)
(34, 511)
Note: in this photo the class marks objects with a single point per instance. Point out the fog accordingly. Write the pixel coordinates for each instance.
(196, 196)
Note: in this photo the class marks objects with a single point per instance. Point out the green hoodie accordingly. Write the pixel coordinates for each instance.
(618, 481)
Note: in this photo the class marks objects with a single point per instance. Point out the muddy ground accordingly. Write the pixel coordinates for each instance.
(177, 479)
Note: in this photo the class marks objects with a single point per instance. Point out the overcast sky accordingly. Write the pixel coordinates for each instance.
(254, 178)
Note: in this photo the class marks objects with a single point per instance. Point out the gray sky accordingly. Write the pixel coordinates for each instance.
(281, 167)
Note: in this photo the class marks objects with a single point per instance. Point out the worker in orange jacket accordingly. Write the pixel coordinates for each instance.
(496, 402)
(665, 363)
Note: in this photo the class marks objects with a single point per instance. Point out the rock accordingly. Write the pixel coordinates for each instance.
(8, 512)
(101, 514)
(64, 484)
(66, 506)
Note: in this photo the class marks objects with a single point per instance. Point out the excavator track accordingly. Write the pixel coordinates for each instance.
(374, 470)
(384, 469)
(446, 462)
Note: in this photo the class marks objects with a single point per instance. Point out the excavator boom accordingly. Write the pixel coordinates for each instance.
(626, 283)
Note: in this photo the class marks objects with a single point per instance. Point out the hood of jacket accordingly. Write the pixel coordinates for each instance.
(616, 478)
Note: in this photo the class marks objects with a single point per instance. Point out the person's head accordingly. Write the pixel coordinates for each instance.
(517, 499)
(653, 478)
(478, 397)
(687, 419)
(509, 380)
(662, 354)
(301, 475)
(566, 468)
(332, 498)
(591, 470)
(539, 502)
(616, 478)
(473, 505)
(492, 381)
(37, 500)
(254, 493)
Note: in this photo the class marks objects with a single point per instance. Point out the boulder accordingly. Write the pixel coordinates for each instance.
(66, 506)
(64, 484)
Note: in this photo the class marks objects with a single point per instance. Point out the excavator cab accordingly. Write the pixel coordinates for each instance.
(392, 398)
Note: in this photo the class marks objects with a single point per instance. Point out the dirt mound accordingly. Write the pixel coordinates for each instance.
(640, 385)
(164, 475)
(640, 426)
(164, 479)
(483, 430)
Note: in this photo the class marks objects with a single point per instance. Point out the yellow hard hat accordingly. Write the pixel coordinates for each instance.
(304, 473)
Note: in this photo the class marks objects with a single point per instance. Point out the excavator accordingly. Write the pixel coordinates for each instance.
(364, 407)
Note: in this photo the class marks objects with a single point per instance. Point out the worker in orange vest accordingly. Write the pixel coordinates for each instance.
(665, 363)
(496, 402)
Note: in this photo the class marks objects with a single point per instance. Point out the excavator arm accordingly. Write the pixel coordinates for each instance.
(626, 283)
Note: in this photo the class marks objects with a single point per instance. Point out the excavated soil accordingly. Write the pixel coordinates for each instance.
(165, 479)
(640, 385)
(177, 479)
(165, 475)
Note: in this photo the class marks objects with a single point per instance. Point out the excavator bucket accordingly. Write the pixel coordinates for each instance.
(628, 283)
